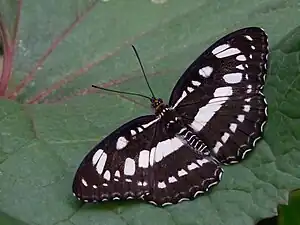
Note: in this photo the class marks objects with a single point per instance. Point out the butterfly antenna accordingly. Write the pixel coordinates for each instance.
(121, 92)
(141, 65)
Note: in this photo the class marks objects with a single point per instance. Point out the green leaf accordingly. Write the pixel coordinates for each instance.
(63, 48)
(8, 220)
(288, 214)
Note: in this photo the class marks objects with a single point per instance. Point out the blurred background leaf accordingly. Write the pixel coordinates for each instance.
(288, 214)
(8, 220)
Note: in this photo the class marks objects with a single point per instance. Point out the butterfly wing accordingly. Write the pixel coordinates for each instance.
(110, 170)
(182, 176)
(141, 160)
(220, 97)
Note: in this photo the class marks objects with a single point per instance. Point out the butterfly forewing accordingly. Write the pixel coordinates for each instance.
(111, 170)
(220, 94)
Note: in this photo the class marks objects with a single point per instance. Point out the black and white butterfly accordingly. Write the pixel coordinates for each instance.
(216, 114)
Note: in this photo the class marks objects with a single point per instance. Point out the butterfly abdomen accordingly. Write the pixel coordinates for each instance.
(193, 140)
(176, 126)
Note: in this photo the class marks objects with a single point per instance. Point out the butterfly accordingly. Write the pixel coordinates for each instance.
(215, 115)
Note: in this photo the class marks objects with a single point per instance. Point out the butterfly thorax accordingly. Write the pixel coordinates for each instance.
(175, 126)
(167, 115)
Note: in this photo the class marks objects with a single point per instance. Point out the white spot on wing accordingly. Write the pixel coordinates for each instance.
(249, 88)
(228, 52)
(117, 173)
(233, 78)
(220, 48)
(129, 167)
(225, 137)
(190, 89)
(206, 71)
(106, 175)
(192, 166)
(241, 58)
(121, 143)
(233, 127)
(182, 172)
(132, 132)
(172, 179)
(97, 156)
(101, 163)
(241, 67)
(202, 161)
(161, 184)
(83, 181)
(196, 83)
(249, 38)
(223, 91)
(241, 118)
(217, 147)
(144, 159)
(246, 108)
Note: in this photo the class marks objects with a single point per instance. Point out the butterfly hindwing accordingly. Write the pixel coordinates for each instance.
(182, 176)
(220, 97)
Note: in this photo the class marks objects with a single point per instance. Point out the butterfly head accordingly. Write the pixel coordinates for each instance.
(156, 103)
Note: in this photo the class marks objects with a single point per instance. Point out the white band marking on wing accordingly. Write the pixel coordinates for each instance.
(164, 148)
